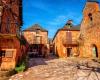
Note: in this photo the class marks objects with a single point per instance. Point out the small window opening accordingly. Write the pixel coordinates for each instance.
(90, 16)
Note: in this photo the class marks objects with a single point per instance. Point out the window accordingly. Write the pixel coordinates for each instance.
(69, 23)
(37, 31)
(69, 36)
(9, 53)
(90, 16)
(38, 39)
(2, 53)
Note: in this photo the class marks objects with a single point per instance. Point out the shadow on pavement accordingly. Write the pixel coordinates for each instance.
(40, 61)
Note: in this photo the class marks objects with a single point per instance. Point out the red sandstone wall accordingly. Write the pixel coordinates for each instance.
(18, 51)
(10, 25)
(90, 31)
(31, 38)
(10, 18)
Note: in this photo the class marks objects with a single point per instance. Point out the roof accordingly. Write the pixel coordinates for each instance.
(66, 28)
(36, 27)
(73, 28)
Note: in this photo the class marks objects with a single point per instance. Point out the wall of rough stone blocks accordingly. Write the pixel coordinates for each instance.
(30, 37)
(91, 32)
(59, 41)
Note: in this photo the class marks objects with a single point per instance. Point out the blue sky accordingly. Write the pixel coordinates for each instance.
(51, 14)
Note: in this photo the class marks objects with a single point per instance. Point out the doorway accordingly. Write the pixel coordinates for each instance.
(69, 52)
(95, 51)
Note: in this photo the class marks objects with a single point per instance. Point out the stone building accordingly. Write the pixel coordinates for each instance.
(65, 40)
(83, 41)
(37, 37)
(11, 45)
(90, 30)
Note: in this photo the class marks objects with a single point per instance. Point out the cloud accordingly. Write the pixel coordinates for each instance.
(40, 5)
(52, 14)
(58, 20)
(61, 19)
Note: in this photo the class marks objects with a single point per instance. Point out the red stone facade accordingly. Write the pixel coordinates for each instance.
(65, 41)
(84, 42)
(37, 37)
(90, 31)
(10, 38)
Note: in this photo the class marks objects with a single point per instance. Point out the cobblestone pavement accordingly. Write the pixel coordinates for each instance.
(60, 69)
(3, 75)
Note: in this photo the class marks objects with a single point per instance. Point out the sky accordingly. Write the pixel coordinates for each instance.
(51, 14)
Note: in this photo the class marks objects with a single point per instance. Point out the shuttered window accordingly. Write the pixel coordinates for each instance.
(38, 39)
(69, 37)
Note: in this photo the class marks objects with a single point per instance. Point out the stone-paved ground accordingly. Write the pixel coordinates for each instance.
(60, 69)
(3, 75)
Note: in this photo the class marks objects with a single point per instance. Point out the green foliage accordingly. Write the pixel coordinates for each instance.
(22, 65)
(20, 68)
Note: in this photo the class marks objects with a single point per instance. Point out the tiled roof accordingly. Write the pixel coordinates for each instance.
(66, 27)
(35, 27)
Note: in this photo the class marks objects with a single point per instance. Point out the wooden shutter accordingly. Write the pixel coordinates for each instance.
(69, 37)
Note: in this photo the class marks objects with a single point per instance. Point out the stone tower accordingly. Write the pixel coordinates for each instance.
(90, 30)
(91, 7)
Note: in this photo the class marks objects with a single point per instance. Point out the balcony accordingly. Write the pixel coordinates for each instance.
(37, 40)
(68, 42)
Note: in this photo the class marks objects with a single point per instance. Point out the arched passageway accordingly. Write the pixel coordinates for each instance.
(94, 50)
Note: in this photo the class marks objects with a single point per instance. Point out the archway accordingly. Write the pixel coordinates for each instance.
(94, 50)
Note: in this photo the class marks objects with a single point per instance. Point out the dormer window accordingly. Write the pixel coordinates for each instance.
(69, 23)
(90, 16)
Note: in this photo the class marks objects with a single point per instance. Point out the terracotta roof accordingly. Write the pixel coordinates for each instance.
(35, 27)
